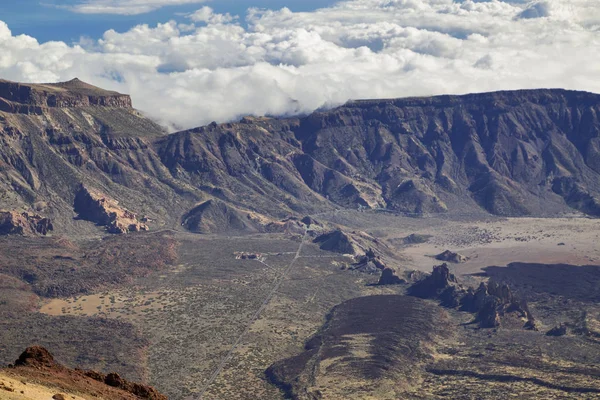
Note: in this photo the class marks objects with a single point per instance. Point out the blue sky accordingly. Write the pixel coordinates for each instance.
(293, 62)
(42, 20)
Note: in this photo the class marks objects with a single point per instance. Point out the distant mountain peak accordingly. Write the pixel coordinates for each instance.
(31, 98)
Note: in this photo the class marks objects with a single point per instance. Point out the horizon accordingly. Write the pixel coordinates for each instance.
(217, 60)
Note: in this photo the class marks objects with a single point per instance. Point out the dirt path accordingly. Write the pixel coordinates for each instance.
(252, 320)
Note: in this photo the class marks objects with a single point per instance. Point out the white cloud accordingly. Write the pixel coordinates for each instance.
(288, 63)
(207, 15)
(125, 7)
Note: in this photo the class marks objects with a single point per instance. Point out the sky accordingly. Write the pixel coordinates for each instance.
(189, 62)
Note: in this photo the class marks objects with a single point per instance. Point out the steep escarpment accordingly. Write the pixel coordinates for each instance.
(34, 98)
(507, 151)
(533, 152)
(91, 137)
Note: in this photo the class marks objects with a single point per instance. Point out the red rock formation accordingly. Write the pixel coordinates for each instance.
(37, 357)
(94, 206)
(15, 223)
(38, 364)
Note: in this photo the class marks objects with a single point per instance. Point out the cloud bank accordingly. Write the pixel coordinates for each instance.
(281, 62)
(124, 7)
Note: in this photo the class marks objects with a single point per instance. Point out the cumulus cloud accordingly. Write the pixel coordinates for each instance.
(207, 15)
(124, 7)
(282, 62)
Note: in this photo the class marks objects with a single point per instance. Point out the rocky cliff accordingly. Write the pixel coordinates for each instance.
(534, 152)
(490, 302)
(33, 99)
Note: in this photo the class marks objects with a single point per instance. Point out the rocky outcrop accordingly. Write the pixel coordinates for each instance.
(309, 221)
(338, 242)
(139, 390)
(369, 263)
(450, 256)
(415, 238)
(389, 277)
(95, 207)
(559, 330)
(215, 216)
(37, 357)
(489, 302)
(492, 300)
(15, 223)
(38, 364)
(442, 285)
(34, 98)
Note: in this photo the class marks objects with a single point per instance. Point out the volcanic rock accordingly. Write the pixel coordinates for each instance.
(365, 342)
(215, 216)
(489, 302)
(14, 223)
(369, 263)
(416, 239)
(441, 284)
(32, 99)
(452, 257)
(389, 277)
(104, 211)
(35, 356)
(559, 330)
(338, 242)
(38, 358)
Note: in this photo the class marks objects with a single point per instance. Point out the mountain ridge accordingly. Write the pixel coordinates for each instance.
(509, 153)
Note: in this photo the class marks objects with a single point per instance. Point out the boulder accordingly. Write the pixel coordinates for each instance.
(560, 330)
(389, 277)
(452, 257)
(37, 357)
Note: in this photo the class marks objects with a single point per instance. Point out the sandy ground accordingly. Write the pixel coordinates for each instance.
(17, 389)
(108, 304)
(573, 241)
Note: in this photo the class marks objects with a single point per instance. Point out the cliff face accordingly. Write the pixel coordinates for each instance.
(513, 153)
(54, 138)
(33, 98)
(507, 153)
(534, 152)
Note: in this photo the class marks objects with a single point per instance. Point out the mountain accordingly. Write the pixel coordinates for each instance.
(195, 260)
(532, 152)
